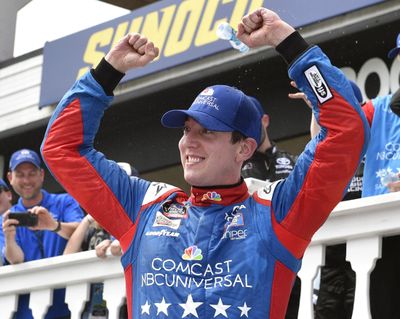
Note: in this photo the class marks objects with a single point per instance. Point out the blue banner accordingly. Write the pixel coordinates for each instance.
(183, 30)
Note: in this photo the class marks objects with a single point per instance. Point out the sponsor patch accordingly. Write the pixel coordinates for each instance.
(234, 222)
(214, 196)
(192, 253)
(174, 210)
(162, 233)
(163, 221)
(318, 84)
(283, 161)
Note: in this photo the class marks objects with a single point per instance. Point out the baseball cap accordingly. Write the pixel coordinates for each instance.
(24, 156)
(220, 108)
(258, 105)
(396, 50)
(357, 91)
(4, 185)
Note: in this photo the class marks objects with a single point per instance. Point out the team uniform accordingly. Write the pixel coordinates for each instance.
(270, 166)
(41, 244)
(383, 154)
(220, 251)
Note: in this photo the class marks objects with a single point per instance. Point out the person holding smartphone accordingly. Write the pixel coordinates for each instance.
(5, 205)
(58, 215)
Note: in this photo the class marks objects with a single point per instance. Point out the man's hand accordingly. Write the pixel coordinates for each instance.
(263, 27)
(299, 95)
(395, 186)
(9, 227)
(132, 51)
(45, 219)
(115, 248)
(102, 247)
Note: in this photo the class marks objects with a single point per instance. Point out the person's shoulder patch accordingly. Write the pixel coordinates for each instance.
(157, 190)
(266, 192)
(318, 84)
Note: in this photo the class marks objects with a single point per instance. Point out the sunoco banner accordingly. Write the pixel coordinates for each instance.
(183, 30)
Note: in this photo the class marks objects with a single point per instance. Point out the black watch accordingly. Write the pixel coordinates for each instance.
(58, 228)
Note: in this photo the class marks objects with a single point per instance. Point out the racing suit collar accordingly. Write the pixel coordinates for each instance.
(220, 195)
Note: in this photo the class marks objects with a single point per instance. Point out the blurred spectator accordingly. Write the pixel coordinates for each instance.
(5, 205)
(269, 163)
(381, 175)
(90, 235)
(58, 216)
(5, 197)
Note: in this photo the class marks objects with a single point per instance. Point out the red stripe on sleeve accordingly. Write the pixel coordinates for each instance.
(335, 161)
(128, 284)
(293, 243)
(78, 176)
(281, 286)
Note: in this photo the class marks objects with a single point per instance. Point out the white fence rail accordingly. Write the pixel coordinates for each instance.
(359, 223)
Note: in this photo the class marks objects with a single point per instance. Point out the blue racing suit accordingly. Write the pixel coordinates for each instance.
(219, 252)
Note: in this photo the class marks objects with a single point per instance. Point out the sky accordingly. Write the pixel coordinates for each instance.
(47, 20)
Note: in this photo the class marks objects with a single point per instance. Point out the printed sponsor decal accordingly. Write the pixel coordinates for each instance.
(163, 221)
(247, 166)
(391, 152)
(207, 91)
(192, 253)
(318, 84)
(214, 196)
(235, 219)
(162, 233)
(174, 210)
(283, 161)
(191, 274)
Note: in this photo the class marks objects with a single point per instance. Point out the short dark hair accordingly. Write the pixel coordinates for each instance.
(237, 137)
(4, 189)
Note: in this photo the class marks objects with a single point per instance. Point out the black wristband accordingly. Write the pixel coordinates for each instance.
(292, 47)
(58, 228)
(107, 76)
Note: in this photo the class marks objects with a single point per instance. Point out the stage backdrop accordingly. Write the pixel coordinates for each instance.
(183, 30)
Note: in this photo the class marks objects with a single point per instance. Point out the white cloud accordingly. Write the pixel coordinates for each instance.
(47, 20)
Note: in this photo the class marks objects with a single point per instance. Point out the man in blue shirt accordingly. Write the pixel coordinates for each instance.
(58, 217)
(5, 205)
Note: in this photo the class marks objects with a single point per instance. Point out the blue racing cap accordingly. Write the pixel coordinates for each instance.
(258, 106)
(220, 108)
(357, 91)
(4, 185)
(396, 50)
(24, 156)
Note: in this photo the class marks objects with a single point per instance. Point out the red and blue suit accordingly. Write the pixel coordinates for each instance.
(219, 252)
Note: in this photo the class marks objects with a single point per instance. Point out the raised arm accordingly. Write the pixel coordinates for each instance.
(303, 201)
(100, 186)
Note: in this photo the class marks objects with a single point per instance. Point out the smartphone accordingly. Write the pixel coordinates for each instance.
(25, 218)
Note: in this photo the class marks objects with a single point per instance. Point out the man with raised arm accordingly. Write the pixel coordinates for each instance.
(218, 251)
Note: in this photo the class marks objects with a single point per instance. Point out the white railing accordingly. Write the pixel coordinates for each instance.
(359, 223)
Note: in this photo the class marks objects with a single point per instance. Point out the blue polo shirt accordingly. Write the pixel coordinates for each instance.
(383, 153)
(43, 244)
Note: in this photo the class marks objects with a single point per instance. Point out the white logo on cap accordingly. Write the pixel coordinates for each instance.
(207, 91)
